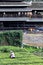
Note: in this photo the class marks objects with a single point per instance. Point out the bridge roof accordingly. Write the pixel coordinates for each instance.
(21, 19)
(37, 5)
(10, 0)
(15, 9)
(13, 4)
(34, 6)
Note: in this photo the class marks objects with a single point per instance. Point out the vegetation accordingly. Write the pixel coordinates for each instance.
(24, 56)
(13, 37)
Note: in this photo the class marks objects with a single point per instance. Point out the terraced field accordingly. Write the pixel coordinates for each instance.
(23, 57)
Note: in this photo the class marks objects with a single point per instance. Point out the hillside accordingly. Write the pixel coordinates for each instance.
(23, 56)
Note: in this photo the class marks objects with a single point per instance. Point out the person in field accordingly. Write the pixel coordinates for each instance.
(12, 55)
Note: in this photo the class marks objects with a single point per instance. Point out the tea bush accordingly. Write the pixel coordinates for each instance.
(12, 37)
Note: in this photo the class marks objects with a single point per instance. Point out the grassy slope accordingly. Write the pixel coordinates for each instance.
(23, 57)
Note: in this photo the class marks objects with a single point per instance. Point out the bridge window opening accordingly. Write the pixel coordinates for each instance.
(15, 14)
(20, 25)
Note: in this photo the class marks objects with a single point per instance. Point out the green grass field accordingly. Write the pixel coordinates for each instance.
(24, 56)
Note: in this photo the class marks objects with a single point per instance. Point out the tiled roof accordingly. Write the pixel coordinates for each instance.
(15, 9)
(21, 19)
(34, 4)
(10, 0)
(13, 3)
(37, 5)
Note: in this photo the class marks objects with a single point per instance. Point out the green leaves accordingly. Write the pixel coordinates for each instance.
(13, 38)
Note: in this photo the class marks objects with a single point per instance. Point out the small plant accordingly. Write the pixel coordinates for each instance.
(5, 50)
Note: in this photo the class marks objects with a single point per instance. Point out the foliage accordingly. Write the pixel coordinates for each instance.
(13, 48)
(13, 38)
(33, 49)
(5, 50)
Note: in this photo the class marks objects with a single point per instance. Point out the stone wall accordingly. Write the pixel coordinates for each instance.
(33, 39)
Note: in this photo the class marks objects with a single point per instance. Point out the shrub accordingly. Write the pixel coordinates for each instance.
(12, 37)
(5, 50)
